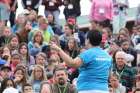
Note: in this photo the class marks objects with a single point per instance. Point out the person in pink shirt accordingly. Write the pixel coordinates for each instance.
(101, 11)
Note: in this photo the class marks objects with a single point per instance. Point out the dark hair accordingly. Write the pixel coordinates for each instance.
(91, 21)
(76, 46)
(24, 80)
(26, 84)
(27, 55)
(51, 15)
(95, 37)
(70, 26)
(123, 41)
(58, 68)
(4, 84)
(137, 89)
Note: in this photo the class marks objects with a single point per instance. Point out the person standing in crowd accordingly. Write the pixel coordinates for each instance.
(126, 74)
(120, 13)
(4, 11)
(31, 4)
(72, 8)
(13, 7)
(92, 63)
(138, 15)
(61, 84)
(102, 11)
(52, 6)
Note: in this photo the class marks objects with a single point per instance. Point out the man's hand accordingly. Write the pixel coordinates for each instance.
(55, 47)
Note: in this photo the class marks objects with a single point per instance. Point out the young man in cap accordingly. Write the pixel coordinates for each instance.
(5, 72)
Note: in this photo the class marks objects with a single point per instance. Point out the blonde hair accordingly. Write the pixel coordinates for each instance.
(57, 58)
(36, 33)
(43, 73)
(42, 55)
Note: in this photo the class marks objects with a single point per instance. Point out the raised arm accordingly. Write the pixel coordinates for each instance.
(77, 62)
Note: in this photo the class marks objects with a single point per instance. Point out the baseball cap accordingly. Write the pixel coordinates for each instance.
(6, 67)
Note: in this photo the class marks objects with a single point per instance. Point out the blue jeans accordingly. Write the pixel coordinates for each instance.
(56, 14)
(119, 21)
(4, 13)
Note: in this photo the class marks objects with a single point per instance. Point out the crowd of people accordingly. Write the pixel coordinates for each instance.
(40, 55)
